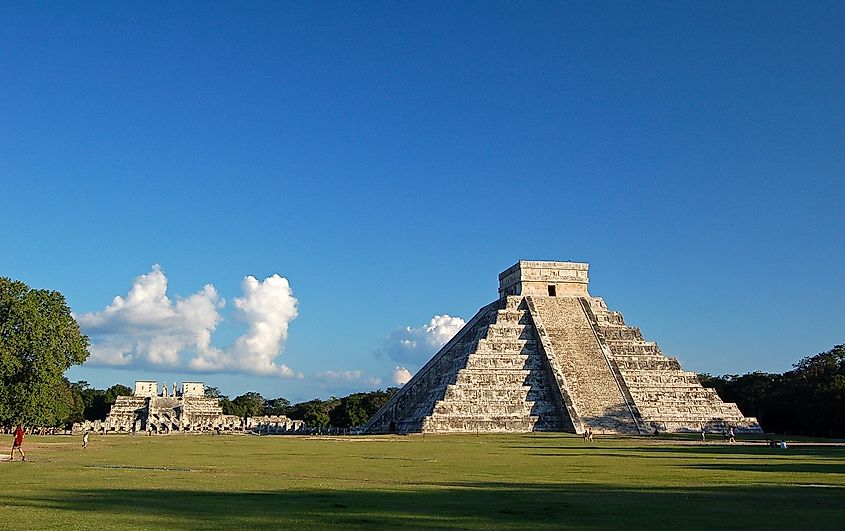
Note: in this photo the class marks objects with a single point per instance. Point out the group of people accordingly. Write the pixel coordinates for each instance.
(588, 435)
(17, 442)
(729, 434)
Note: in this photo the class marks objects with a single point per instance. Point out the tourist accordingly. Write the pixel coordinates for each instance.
(85, 439)
(17, 444)
(703, 434)
(590, 434)
(731, 436)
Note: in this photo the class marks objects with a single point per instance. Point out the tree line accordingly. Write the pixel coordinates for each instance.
(807, 400)
(40, 340)
(87, 403)
(346, 412)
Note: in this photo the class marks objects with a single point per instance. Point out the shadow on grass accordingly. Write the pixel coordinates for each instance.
(686, 451)
(448, 505)
(813, 468)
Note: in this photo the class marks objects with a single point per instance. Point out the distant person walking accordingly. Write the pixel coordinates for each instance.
(731, 436)
(85, 439)
(17, 444)
(703, 434)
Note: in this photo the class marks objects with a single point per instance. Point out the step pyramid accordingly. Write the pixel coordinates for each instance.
(547, 356)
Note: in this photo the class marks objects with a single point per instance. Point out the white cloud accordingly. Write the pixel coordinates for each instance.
(401, 375)
(147, 329)
(413, 346)
(267, 307)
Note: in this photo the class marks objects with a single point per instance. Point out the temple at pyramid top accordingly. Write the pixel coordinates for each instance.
(548, 356)
(545, 278)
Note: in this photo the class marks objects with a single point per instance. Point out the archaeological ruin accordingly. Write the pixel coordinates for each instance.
(548, 356)
(149, 410)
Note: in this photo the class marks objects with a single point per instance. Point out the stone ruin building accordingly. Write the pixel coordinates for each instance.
(548, 356)
(185, 410)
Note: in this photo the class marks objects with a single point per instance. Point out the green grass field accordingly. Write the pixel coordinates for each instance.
(536, 481)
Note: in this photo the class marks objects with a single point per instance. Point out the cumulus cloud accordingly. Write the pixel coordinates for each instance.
(413, 346)
(148, 329)
(267, 307)
(400, 375)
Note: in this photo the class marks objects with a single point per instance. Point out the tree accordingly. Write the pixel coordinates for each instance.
(213, 392)
(315, 413)
(277, 406)
(819, 383)
(357, 408)
(249, 404)
(69, 407)
(374, 400)
(349, 411)
(97, 402)
(77, 405)
(228, 407)
(808, 400)
(115, 391)
(39, 341)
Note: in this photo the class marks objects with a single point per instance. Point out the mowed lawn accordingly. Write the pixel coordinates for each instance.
(515, 481)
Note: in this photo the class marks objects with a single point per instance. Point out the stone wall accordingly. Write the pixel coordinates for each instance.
(146, 388)
(193, 389)
(189, 412)
(544, 279)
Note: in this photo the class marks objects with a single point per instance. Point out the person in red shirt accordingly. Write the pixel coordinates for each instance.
(16, 445)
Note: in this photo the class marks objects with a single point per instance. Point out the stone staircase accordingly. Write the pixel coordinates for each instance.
(665, 396)
(125, 411)
(588, 379)
(200, 413)
(406, 412)
(503, 385)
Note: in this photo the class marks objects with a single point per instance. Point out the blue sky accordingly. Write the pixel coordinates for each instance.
(381, 163)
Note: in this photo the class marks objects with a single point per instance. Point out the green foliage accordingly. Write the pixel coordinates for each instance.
(315, 412)
(76, 405)
(213, 392)
(347, 412)
(249, 404)
(277, 406)
(117, 390)
(39, 341)
(808, 400)
(96, 403)
(228, 407)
